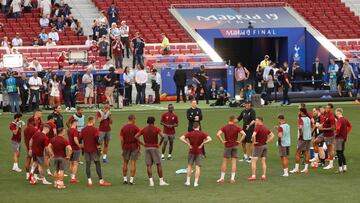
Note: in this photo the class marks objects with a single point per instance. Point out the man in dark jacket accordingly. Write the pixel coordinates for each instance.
(24, 91)
(299, 75)
(180, 82)
(317, 73)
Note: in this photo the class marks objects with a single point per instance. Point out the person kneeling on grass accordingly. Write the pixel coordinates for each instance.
(58, 146)
(304, 135)
(260, 138)
(231, 132)
(152, 156)
(38, 143)
(91, 146)
(284, 143)
(195, 140)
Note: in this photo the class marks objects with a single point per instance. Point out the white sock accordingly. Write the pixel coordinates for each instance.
(131, 179)
(316, 156)
(169, 155)
(125, 179)
(297, 167)
(101, 181)
(340, 168)
(232, 176)
(196, 181)
(32, 169)
(306, 166)
(89, 181)
(16, 165)
(253, 176)
(222, 176)
(72, 176)
(188, 179)
(48, 170)
(344, 167)
(246, 156)
(104, 156)
(151, 180)
(286, 171)
(162, 156)
(331, 163)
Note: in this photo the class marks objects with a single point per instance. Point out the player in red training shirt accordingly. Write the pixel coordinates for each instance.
(37, 117)
(38, 143)
(195, 140)
(91, 146)
(52, 133)
(170, 121)
(29, 132)
(231, 142)
(343, 128)
(15, 127)
(260, 137)
(73, 136)
(328, 127)
(150, 134)
(105, 119)
(130, 146)
(58, 146)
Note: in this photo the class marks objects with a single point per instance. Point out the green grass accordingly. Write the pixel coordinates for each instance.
(319, 185)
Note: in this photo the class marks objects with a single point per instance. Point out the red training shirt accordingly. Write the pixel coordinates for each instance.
(104, 124)
(28, 134)
(150, 134)
(261, 135)
(90, 136)
(231, 132)
(169, 119)
(128, 133)
(329, 120)
(15, 137)
(58, 145)
(195, 138)
(343, 128)
(72, 133)
(40, 141)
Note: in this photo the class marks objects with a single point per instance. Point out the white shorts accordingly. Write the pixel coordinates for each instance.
(89, 92)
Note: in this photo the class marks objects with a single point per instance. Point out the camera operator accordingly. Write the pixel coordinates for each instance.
(155, 85)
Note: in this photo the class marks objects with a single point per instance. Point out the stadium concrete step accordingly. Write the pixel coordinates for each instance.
(86, 12)
(354, 6)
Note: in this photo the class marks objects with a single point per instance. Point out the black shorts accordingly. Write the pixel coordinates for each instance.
(248, 136)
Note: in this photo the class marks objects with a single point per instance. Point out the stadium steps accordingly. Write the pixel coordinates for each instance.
(354, 6)
(86, 12)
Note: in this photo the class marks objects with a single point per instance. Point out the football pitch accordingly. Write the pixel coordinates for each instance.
(319, 185)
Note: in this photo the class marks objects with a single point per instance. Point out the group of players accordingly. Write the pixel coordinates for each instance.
(46, 140)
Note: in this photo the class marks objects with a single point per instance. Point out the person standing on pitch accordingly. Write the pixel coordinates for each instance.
(231, 132)
(90, 137)
(201, 79)
(73, 136)
(151, 135)
(15, 127)
(195, 140)
(180, 82)
(261, 137)
(328, 128)
(105, 119)
(58, 146)
(284, 143)
(169, 120)
(194, 114)
(248, 115)
(343, 128)
(304, 135)
(131, 148)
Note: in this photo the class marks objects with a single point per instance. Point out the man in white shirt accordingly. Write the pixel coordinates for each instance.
(88, 80)
(155, 85)
(89, 40)
(45, 7)
(35, 64)
(35, 83)
(124, 36)
(50, 43)
(54, 35)
(141, 77)
(44, 22)
(16, 8)
(17, 41)
(267, 70)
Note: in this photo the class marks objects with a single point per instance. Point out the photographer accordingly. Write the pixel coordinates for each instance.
(222, 96)
(155, 85)
(110, 80)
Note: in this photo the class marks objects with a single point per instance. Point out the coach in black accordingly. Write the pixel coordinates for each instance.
(193, 114)
(180, 82)
(201, 78)
(58, 118)
(248, 115)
